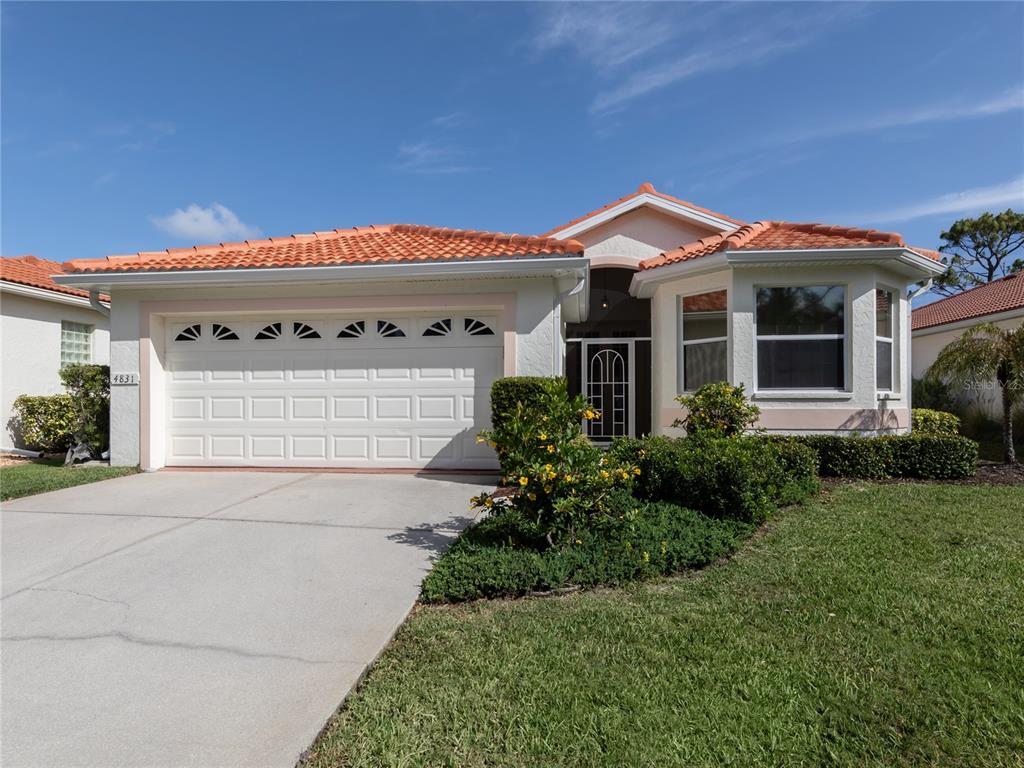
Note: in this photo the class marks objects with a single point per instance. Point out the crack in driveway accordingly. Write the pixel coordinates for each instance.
(173, 644)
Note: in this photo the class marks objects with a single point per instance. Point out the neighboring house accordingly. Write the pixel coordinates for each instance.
(44, 326)
(376, 346)
(937, 324)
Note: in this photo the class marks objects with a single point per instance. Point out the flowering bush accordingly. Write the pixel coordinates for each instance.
(717, 410)
(553, 475)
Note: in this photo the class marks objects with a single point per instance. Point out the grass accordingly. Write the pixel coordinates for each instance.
(42, 475)
(879, 625)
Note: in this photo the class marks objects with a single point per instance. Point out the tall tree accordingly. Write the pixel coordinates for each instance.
(981, 250)
(983, 353)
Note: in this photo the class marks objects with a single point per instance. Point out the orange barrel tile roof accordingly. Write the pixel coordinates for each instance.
(378, 244)
(784, 236)
(1001, 295)
(37, 273)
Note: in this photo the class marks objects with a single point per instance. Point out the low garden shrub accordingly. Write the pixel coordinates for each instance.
(925, 457)
(45, 422)
(925, 421)
(717, 410)
(505, 555)
(741, 478)
(507, 393)
(554, 475)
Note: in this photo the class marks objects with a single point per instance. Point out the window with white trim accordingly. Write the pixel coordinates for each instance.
(75, 343)
(801, 337)
(883, 340)
(704, 333)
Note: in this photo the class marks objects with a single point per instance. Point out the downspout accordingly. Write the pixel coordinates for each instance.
(95, 303)
(910, 339)
(557, 364)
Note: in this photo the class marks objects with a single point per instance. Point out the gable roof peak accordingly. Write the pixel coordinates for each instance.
(646, 187)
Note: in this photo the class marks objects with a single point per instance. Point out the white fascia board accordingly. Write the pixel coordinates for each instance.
(645, 281)
(675, 209)
(46, 295)
(995, 317)
(902, 259)
(438, 270)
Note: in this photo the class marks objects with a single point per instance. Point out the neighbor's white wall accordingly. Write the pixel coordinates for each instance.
(537, 338)
(806, 412)
(928, 342)
(640, 234)
(30, 348)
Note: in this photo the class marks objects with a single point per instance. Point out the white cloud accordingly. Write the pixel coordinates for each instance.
(955, 109)
(635, 48)
(104, 178)
(217, 223)
(432, 157)
(977, 200)
(451, 120)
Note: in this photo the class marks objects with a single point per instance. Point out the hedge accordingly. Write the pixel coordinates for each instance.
(742, 478)
(925, 421)
(45, 422)
(925, 457)
(507, 392)
(502, 556)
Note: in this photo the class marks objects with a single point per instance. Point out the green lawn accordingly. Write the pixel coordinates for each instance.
(879, 625)
(43, 475)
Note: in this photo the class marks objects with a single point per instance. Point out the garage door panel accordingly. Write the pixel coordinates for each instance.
(390, 402)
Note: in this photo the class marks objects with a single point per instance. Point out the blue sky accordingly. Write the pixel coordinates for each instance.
(133, 127)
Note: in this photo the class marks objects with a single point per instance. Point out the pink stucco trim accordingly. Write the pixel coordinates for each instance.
(612, 260)
(505, 303)
(818, 419)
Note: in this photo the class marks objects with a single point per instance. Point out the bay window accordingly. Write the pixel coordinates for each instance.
(704, 348)
(883, 340)
(801, 334)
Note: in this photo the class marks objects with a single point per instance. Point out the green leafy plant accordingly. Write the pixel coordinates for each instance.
(924, 421)
(926, 457)
(553, 474)
(981, 250)
(983, 353)
(717, 410)
(89, 388)
(935, 394)
(45, 422)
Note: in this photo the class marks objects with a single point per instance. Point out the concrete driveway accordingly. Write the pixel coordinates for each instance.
(205, 618)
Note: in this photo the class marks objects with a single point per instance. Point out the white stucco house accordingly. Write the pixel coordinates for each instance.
(43, 326)
(376, 346)
(935, 325)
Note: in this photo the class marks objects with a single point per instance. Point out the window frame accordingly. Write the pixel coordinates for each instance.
(91, 329)
(894, 300)
(681, 341)
(844, 337)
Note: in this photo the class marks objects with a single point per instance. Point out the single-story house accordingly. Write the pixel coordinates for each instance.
(376, 346)
(935, 325)
(44, 326)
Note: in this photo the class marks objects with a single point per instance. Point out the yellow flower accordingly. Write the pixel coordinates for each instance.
(568, 478)
(579, 541)
(531, 496)
(547, 467)
(480, 439)
(647, 557)
(551, 449)
(636, 470)
(547, 489)
(604, 473)
(523, 481)
(543, 436)
(489, 503)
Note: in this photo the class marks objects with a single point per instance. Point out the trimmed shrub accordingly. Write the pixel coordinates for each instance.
(925, 421)
(503, 556)
(89, 388)
(717, 410)
(508, 392)
(934, 394)
(45, 422)
(933, 457)
(740, 478)
(927, 457)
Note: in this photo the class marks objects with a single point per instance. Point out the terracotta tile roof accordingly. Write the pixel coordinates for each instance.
(781, 235)
(36, 273)
(648, 189)
(386, 243)
(1000, 295)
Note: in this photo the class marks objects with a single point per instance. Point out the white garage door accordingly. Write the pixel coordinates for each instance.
(349, 391)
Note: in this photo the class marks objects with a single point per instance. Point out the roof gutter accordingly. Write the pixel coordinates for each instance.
(46, 294)
(560, 266)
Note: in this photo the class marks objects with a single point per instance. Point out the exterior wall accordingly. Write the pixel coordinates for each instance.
(928, 342)
(536, 338)
(640, 234)
(30, 351)
(857, 409)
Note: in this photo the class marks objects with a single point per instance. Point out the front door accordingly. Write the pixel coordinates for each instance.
(608, 385)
